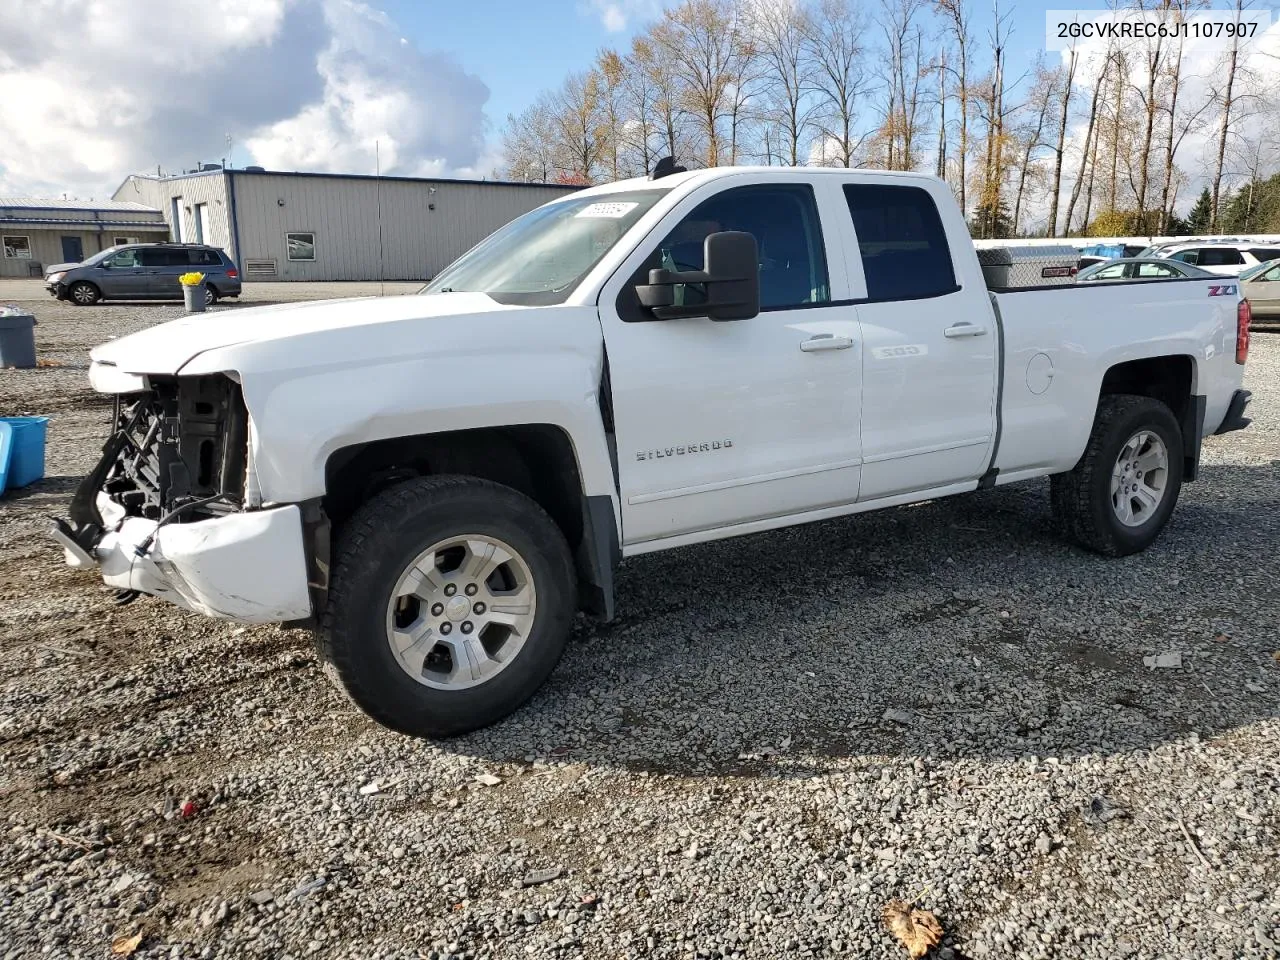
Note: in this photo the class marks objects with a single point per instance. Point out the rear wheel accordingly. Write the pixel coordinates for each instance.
(210, 295)
(450, 605)
(1121, 493)
(84, 293)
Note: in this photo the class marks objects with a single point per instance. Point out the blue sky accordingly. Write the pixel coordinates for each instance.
(519, 49)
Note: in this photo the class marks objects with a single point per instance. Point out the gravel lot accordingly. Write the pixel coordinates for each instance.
(942, 702)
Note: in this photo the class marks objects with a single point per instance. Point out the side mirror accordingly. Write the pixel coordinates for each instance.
(730, 282)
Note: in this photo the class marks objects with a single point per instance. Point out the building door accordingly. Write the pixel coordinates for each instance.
(204, 233)
(175, 218)
(72, 250)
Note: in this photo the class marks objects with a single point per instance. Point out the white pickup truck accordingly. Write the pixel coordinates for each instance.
(439, 482)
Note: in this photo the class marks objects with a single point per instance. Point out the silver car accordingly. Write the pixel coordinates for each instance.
(1261, 287)
(1140, 268)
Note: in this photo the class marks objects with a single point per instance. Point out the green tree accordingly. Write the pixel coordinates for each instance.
(1201, 215)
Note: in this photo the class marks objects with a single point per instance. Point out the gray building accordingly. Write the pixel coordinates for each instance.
(320, 226)
(37, 233)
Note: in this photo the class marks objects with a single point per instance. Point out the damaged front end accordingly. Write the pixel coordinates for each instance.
(171, 509)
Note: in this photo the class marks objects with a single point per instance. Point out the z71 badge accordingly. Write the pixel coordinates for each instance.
(1222, 290)
(680, 451)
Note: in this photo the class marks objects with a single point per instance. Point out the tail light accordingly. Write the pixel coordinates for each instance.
(232, 272)
(1244, 317)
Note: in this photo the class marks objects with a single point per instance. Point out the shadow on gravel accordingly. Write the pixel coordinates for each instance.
(960, 627)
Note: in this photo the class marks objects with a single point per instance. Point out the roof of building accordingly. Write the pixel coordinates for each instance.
(54, 223)
(38, 203)
(243, 171)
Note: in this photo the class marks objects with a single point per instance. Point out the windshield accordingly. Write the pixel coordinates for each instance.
(541, 257)
(1255, 270)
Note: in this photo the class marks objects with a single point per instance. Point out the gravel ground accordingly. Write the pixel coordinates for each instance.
(941, 702)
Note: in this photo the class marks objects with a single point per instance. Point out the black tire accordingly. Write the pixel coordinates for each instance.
(83, 293)
(377, 545)
(210, 295)
(1082, 499)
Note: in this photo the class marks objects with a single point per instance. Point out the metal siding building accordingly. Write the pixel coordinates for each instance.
(425, 224)
(35, 234)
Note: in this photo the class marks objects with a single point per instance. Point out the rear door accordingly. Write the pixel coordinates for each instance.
(1263, 292)
(164, 266)
(207, 261)
(930, 345)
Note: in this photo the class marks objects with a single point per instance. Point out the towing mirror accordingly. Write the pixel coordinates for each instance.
(726, 288)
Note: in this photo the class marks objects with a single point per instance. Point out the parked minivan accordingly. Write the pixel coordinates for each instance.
(143, 271)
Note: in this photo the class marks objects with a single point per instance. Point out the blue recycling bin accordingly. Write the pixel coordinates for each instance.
(22, 441)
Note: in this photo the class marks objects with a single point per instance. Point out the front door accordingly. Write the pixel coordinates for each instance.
(720, 423)
(72, 249)
(121, 275)
(930, 347)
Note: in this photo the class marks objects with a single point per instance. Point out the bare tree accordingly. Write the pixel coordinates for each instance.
(611, 84)
(701, 37)
(832, 32)
(575, 120)
(776, 34)
(528, 143)
(958, 24)
(1031, 139)
(1065, 87)
(904, 42)
(652, 58)
(1226, 101)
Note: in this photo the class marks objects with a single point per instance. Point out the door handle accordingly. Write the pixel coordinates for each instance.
(825, 341)
(963, 329)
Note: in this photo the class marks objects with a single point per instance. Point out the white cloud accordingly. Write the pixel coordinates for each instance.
(616, 15)
(302, 84)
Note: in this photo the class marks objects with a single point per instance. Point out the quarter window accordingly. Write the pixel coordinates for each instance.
(1263, 254)
(205, 258)
(302, 246)
(17, 248)
(902, 243)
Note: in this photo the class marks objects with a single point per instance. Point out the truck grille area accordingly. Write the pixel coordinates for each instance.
(182, 442)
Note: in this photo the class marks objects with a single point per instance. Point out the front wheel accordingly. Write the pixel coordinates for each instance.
(1121, 493)
(84, 293)
(451, 601)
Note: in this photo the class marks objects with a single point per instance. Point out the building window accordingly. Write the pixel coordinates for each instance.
(17, 248)
(302, 246)
(123, 241)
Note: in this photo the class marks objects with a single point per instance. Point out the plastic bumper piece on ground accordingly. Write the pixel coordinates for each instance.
(1235, 418)
(250, 567)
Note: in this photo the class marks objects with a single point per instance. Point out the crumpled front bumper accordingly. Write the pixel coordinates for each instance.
(250, 567)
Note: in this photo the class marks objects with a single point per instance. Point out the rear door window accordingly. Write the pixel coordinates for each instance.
(163, 257)
(901, 242)
(1186, 256)
(1113, 272)
(1156, 270)
(1220, 257)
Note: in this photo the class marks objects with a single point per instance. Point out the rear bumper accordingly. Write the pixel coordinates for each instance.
(249, 567)
(1235, 418)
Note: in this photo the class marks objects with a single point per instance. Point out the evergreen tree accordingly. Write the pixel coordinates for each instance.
(1201, 215)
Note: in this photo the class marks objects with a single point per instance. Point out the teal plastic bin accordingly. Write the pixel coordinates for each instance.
(21, 451)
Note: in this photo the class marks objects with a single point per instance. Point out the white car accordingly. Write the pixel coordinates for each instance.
(439, 482)
(1223, 259)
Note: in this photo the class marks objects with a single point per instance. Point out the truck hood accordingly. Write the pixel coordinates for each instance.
(166, 348)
